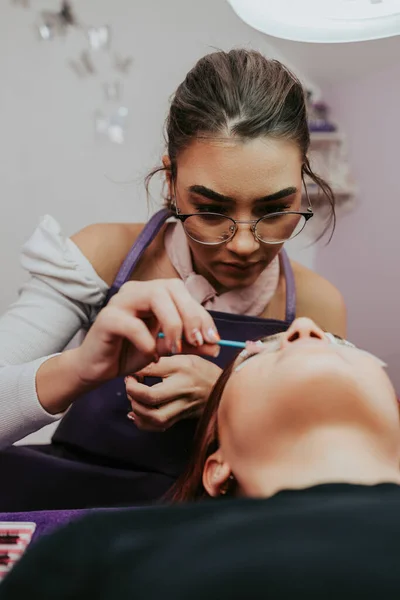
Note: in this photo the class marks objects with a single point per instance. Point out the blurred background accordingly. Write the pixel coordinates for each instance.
(85, 89)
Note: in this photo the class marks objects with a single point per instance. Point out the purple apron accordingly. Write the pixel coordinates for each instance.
(97, 456)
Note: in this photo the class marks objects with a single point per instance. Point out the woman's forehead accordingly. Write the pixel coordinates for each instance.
(241, 159)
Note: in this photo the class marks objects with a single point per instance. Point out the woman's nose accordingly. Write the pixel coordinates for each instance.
(243, 242)
(303, 328)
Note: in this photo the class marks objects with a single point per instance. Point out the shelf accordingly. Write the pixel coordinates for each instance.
(340, 193)
(343, 193)
(318, 138)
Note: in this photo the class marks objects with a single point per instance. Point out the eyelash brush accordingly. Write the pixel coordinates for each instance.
(226, 343)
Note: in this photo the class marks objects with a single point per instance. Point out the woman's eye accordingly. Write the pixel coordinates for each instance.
(210, 208)
(268, 210)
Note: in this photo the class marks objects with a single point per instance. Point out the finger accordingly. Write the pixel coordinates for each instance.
(198, 324)
(177, 312)
(166, 366)
(148, 424)
(211, 350)
(114, 322)
(163, 417)
(156, 395)
(182, 365)
(154, 299)
(143, 425)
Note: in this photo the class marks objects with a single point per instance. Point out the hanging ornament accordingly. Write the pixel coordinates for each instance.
(113, 126)
(110, 123)
(123, 64)
(99, 37)
(83, 66)
(112, 91)
(22, 3)
(55, 24)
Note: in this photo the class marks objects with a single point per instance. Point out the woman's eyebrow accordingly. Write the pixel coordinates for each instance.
(206, 192)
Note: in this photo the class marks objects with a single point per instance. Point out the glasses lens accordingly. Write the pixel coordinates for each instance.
(209, 228)
(280, 227)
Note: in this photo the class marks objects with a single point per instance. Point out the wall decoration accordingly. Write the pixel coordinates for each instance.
(111, 121)
(22, 3)
(54, 24)
(111, 126)
(329, 158)
(123, 65)
(83, 66)
(99, 37)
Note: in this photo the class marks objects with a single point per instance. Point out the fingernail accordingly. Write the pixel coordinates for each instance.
(216, 352)
(198, 337)
(176, 347)
(130, 416)
(213, 335)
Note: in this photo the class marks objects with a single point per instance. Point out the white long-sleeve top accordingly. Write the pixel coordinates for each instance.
(63, 295)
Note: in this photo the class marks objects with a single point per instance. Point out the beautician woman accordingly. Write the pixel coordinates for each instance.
(237, 143)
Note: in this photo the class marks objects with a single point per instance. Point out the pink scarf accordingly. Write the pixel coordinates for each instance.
(250, 300)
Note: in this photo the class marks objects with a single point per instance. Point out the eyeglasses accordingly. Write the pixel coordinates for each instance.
(212, 229)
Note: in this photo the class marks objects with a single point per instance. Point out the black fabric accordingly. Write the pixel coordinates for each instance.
(330, 541)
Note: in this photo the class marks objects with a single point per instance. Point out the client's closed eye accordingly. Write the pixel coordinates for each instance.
(269, 343)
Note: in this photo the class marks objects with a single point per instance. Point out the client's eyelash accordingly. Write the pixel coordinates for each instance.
(338, 340)
(253, 348)
(248, 351)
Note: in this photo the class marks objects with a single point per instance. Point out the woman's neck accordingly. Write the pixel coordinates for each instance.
(326, 456)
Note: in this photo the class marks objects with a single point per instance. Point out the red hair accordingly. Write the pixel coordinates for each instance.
(189, 486)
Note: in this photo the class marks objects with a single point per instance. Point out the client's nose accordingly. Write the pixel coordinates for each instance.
(302, 328)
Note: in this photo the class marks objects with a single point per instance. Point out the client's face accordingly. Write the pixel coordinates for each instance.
(300, 381)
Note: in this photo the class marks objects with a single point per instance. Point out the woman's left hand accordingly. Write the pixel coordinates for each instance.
(187, 381)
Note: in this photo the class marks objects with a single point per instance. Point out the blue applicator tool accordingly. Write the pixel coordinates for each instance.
(226, 343)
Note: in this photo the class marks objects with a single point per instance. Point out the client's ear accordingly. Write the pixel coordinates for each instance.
(216, 474)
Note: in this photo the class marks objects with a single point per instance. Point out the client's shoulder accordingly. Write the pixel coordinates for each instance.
(319, 299)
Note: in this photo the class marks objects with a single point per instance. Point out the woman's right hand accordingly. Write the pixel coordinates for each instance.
(123, 338)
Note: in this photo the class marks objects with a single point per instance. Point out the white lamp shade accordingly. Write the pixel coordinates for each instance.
(322, 21)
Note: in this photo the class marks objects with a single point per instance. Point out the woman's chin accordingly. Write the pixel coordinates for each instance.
(232, 281)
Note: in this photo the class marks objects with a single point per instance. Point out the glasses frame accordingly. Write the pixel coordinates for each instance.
(308, 214)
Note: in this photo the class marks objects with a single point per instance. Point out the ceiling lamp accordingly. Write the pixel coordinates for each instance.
(322, 21)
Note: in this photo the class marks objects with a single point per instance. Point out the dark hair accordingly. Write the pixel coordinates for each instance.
(240, 93)
(189, 486)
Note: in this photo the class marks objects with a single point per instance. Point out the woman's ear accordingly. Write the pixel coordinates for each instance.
(216, 474)
(166, 161)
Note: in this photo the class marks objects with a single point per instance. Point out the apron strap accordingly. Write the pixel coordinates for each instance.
(144, 239)
(147, 235)
(290, 288)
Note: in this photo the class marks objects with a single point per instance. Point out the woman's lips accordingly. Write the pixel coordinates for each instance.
(245, 268)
